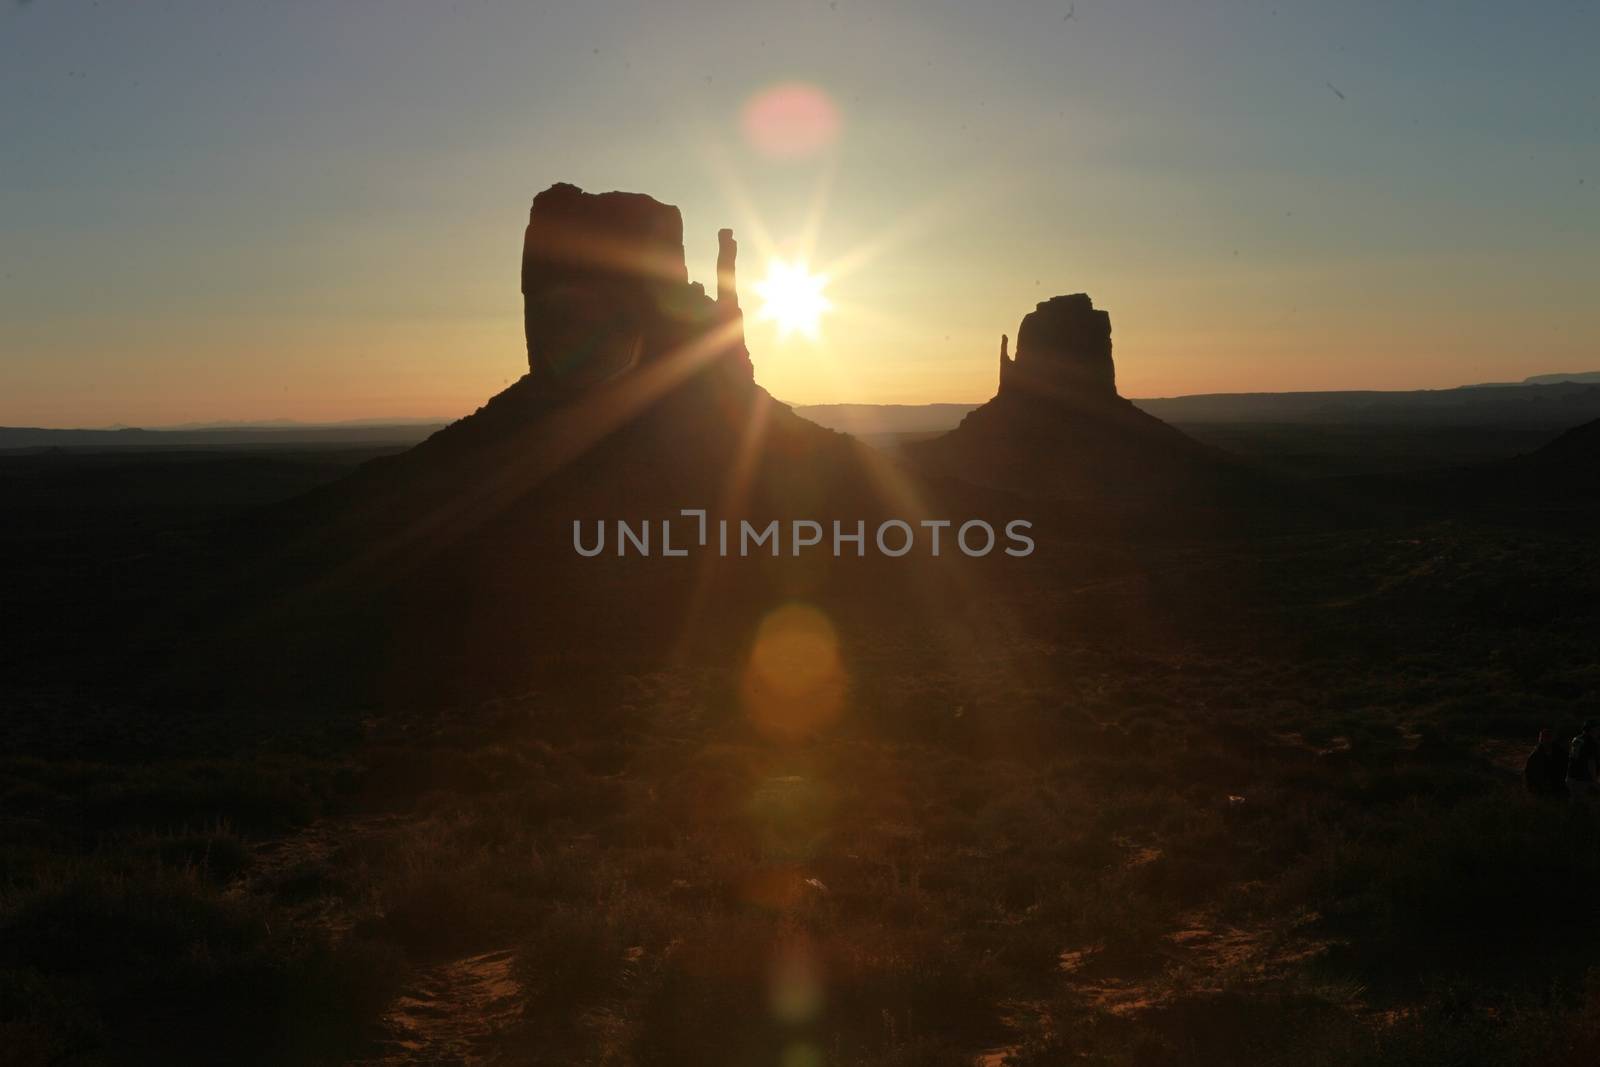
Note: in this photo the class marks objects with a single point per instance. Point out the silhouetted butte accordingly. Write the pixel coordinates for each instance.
(1057, 427)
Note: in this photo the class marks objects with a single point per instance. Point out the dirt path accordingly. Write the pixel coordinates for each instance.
(453, 1013)
(1200, 956)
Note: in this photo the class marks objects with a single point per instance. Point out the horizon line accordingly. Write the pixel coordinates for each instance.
(288, 424)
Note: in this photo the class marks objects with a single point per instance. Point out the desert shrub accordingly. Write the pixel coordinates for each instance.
(708, 998)
(1493, 879)
(153, 963)
(438, 909)
(1205, 1030)
(1433, 782)
(252, 797)
(575, 958)
(114, 920)
(216, 853)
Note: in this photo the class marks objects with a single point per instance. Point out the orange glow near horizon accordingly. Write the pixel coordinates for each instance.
(162, 374)
(927, 286)
(179, 254)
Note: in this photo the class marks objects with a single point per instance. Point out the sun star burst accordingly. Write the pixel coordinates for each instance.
(791, 297)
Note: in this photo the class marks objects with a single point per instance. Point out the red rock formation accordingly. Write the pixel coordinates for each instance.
(727, 277)
(1057, 425)
(1063, 351)
(605, 288)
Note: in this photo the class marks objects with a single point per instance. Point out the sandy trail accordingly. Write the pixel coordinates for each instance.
(454, 1013)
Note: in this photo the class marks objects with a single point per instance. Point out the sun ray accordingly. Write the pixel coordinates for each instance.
(566, 434)
(734, 495)
(806, 245)
(918, 220)
(749, 225)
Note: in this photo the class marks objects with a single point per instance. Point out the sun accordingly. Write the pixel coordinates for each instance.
(791, 296)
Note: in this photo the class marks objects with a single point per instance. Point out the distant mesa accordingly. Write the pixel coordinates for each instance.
(1590, 377)
(605, 290)
(620, 344)
(1063, 351)
(1056, 425)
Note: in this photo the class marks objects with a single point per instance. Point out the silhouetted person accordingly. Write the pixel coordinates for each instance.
(1583, 763)
(1545, 772)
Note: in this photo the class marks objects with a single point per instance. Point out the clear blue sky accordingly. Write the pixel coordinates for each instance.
(238, 211)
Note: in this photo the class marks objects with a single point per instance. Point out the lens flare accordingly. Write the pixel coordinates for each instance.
(790, 121)
(790, 815)
(795, 990)
(794, 682)
(801, 1054)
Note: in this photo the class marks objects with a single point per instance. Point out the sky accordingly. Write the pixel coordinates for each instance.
(245, 211)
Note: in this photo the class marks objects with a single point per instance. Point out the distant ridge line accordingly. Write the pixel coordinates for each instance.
(1576, 399)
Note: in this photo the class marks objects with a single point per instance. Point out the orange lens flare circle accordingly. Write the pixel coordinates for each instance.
(794, 681)
(790, 121)
(795, 991)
